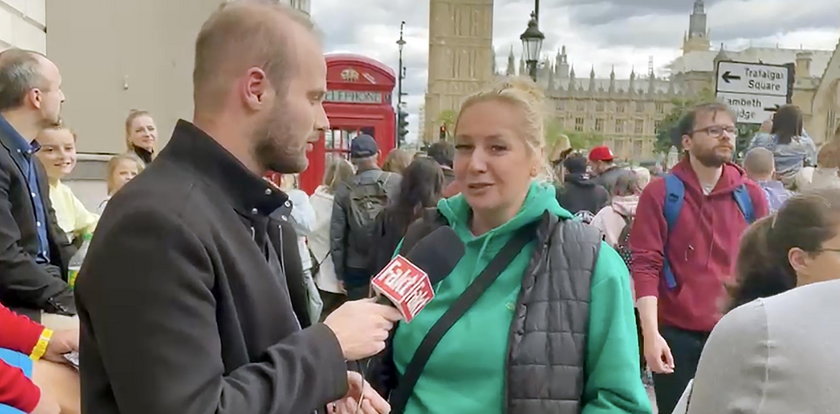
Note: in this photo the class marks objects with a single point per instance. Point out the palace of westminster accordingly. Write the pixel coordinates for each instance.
(625, 112)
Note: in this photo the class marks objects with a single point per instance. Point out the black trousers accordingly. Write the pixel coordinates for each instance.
(686, 347)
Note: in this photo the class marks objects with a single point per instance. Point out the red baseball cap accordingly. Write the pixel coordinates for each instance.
(601, 153)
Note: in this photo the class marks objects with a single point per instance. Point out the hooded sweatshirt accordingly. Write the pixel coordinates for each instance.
(611, 219)
(582, 193)
(466, 372)
(701, 247)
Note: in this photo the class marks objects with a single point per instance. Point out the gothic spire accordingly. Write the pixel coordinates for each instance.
(511, 64)
(592, 79)
(612, 79)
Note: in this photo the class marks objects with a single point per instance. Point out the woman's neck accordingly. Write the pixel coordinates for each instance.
(54, 181)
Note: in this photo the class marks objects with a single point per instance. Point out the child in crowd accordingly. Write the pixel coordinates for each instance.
(58, 155)
(121, 169)
(759, 164)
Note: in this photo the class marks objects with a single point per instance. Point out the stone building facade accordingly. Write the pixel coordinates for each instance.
(461, 57)
(628, 112)
(625, 112)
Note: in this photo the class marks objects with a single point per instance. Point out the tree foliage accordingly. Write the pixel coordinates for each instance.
(447, 118)
(667, 132)
(576, 139)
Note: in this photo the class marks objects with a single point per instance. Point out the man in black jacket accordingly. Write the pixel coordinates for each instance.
(185, 303)
(33, 251)
(580, 194)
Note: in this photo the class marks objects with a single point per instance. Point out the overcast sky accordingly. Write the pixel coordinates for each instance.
(624, 33)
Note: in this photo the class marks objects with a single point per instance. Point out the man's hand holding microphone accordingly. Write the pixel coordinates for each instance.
(362, 327)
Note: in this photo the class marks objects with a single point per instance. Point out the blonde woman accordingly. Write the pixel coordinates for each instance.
(397, 161)
(554, 333)
(141, 135)
(338, 171)
(120, 170)
(302, 218)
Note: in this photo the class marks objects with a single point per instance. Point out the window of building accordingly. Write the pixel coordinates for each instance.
(619, 146)
(640, 106)
(640, 126)
(660, 108)
(637, 149)
(599, 125)
(656, 126)
(578, 124)
(599, 106)
(561, 106)
(619, 126)
(581, 106)
(619, 107)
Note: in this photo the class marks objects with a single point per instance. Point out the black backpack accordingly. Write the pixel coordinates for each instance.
(367, 200)
(622, 245)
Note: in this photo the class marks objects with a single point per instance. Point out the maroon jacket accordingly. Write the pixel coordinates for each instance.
(702, 246)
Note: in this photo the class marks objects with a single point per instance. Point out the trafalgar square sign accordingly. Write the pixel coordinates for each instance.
(754, 91)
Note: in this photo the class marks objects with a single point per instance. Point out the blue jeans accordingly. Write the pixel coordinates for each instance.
(18, 360)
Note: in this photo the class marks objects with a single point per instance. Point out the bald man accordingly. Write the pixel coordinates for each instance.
(186, 303)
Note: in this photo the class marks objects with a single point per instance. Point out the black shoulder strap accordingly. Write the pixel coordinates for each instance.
(399, 398)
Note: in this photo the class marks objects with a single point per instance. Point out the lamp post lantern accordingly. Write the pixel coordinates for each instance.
(532, 40)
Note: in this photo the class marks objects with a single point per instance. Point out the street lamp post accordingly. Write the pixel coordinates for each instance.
(532, 40)
(400, 77)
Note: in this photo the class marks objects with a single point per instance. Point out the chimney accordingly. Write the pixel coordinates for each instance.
(803, 64)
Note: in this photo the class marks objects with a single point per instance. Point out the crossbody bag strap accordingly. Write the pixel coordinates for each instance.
(400, 396)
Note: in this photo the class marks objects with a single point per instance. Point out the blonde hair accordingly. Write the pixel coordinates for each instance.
(338, 171)
(112, 166)
(132, 115)
(397, 161)
(529, 98)
(60, 127)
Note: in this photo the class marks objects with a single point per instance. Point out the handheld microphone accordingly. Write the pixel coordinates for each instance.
(406, 282)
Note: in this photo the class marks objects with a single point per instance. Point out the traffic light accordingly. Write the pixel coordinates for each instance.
(402, 125)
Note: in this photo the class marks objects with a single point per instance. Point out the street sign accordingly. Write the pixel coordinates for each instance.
(753, 90)
(752, 78)
(752, 109)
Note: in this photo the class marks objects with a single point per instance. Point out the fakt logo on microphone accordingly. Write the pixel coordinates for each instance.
(406, 285)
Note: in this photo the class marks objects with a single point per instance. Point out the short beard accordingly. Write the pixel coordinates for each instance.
(711, 159)
(271, 149)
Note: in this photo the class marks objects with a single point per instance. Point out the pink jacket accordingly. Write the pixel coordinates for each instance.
(610, 220)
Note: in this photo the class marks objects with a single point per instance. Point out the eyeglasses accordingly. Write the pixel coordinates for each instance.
(829, 250)
(717, 131)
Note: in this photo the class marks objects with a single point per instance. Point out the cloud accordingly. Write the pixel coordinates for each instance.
(597, 33)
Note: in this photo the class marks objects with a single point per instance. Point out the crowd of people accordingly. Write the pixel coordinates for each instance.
(213, 283)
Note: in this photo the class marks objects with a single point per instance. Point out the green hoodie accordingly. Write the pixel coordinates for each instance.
(466, 372)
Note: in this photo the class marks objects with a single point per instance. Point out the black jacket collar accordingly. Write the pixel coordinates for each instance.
(248, 193)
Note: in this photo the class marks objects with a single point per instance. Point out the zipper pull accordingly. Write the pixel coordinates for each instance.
(690, 249)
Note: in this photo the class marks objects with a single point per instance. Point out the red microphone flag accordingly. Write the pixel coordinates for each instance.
(405, 285)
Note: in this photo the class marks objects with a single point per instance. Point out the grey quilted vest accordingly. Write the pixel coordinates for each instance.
(547, 346)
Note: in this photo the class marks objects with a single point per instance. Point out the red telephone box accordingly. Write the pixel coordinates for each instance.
(358, 101)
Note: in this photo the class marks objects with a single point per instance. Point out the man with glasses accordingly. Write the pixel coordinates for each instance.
(684, 242)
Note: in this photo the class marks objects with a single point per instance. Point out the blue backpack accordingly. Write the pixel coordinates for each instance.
(674, 197)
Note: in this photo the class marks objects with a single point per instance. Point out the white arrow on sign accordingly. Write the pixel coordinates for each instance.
(752, 109)
(752, 78)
